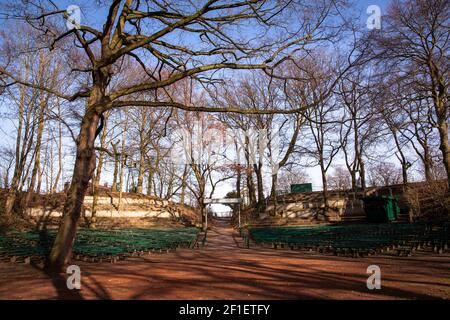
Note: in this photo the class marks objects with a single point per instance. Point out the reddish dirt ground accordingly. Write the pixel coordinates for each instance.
(225, 270)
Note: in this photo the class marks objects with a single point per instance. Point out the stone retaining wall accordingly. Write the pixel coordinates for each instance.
(135, 210)
(306, 206)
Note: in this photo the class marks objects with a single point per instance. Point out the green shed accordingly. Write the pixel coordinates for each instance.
(381, 208)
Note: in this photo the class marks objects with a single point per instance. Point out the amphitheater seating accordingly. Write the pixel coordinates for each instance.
(356, 240)
(96, 245)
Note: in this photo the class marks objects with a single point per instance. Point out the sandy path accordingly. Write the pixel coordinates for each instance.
(223, 270)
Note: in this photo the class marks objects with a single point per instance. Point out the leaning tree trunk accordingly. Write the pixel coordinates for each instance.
(83, 170)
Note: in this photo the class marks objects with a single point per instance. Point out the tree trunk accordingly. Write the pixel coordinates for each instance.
(82, 174)
(427, 167)
(249, 176)
(14, 188)
(238, 185)
(122, 169)
(273, 189)
(149, 180)
(440, 100)
(169, 191)
(95, 184)
(204, 217)
(12, 191)
(273, 192)
(259, 182)
(353, 177)
(404, 173)
(142, 137)
(39, 180)
(183, 185)
(201, 197)
(98, 173)
(37, 156)
(10, 199)
(324, 185)
(402, 157)
(116, 167)
(427, 162)
(251, 187)
(362, 175)
(60, 165)
(444, 147)
(140, 180)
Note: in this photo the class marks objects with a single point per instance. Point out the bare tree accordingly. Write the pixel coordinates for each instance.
(7, 162)
(340, 179)
(384, 174)
(385, 98)
(205, 154)
(321, 126)
(291, 175)
(420, 134)
(358, 129)
(415, 44)
(143, 31)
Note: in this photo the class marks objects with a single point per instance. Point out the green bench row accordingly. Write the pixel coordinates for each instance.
(368, 238)
(98, 242)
